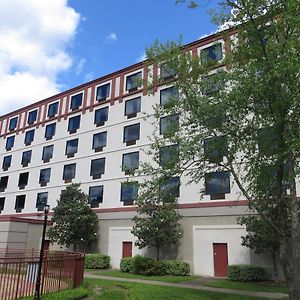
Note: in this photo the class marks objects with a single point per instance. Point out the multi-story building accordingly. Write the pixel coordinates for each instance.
(89, 135)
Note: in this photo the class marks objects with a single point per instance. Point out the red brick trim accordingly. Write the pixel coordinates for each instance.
(44, 115)
(121, 88)
(67, 107)
(85, 100)
(113, 91)
(25, 120)
(145, 80)
(61, 103)
(155, 77)
(214, 204)
(24, 220)
(92, 104)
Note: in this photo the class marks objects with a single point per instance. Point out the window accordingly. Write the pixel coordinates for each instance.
(29, 136)
(217, 184)
(96, 195)
(97, 167)
(6, 162)
(2, 202)
(76, 101)
(26, 158)
(69, 172)
(103, 92)
(170, 190)
(10, 142)
(213, 83)
(101, 116)
(41, 201)
(74, 124)
(71, 147)
(133, 81)
(44, 176)
(167, 96)
(129, 191)
(52, 110)
(13, 123)
(20, 203)
(99, 141)
(166, 72)
(3, 183)
(23, 180)
(32, 116)
(130, 162)
(215, 148)
(50, 131)
(132, 107)
(168, 155)
(212, 53)
(169, 125)
(131, 134)
(47, 153)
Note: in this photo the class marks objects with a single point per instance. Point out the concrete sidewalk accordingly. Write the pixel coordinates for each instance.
(193, 284)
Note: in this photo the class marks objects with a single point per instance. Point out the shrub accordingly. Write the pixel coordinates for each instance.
(176, 268)
(246, 273)
(96, 261)
(126, 264)
(145, 265)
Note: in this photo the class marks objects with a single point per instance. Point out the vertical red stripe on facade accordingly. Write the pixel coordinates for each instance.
(44, 115)
(194, 52)
(1, 125)
(155, 77)
(39, 117)
(145, 80)
(6, 127)
(84, 100)
(113, 91)
(67, 107)
(121, 89)
(228, 52)
(61, 102)
(24, 121)
(92, 104)
(19, 123)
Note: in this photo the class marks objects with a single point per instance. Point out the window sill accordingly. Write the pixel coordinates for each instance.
(217, 196)
(68, 180)
(99, 149)
(43, 183)
(130, 143)
(96, 176)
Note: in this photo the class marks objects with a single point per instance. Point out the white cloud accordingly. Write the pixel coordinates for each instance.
(142, 57)
(79, 66)
(34, 36)
(112, 37)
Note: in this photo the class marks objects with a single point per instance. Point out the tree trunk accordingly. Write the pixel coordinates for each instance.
(275, 266)
(74, 247)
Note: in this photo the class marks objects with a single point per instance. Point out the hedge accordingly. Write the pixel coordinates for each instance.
(96, 261)
(148, 266)
(246, 273)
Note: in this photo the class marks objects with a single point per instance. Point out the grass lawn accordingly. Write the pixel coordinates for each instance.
(166, 278)
(110, 290)
(251, 286)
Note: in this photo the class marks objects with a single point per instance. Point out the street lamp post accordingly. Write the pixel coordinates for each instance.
(38, 280)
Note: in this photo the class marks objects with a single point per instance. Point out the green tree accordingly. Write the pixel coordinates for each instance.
(74, 221)
(255, 105)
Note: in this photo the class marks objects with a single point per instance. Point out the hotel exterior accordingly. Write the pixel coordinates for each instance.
(89, 135)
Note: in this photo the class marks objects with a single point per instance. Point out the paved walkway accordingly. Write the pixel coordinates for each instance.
(193, 284)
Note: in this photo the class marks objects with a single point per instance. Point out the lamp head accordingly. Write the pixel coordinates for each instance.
(46, 209)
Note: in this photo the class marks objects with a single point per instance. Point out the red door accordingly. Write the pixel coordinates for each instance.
(220, 259)
(127, 249)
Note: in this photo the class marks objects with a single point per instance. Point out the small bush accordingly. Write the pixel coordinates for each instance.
(126, 264)
(246, 273)
(176, 268)
(145, 266)
(96, 261)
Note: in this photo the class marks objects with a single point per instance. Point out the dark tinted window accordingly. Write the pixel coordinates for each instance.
(97, 167)
(96, 195)
(41, 200)
(32, 117)
(133, 81)
(169, 124)
(47, 153)
(74, 124)
(50, 131)
(166, 72)
(52, 110)
(129, 191)
(168, 95)
(217, 183)
(170, 189)
(99, 141)
(169, 155)
(45, 176)
(3, 183)
(215, 148)
(26, 158)
(23, 180)
(101, 116)
(76, 101)
(212, 53)
(103, 92)
(69, 172)
(71, 147)
(130, 161)
(131, 134)
(10, 142)
(13, 123)
(132, 107)
(20, 203)
(29, 137)
(6, 162)
(2, 202)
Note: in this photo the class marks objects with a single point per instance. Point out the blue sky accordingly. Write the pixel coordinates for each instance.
(52, 45)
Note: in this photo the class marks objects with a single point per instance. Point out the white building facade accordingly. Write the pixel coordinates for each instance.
(88, 135)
